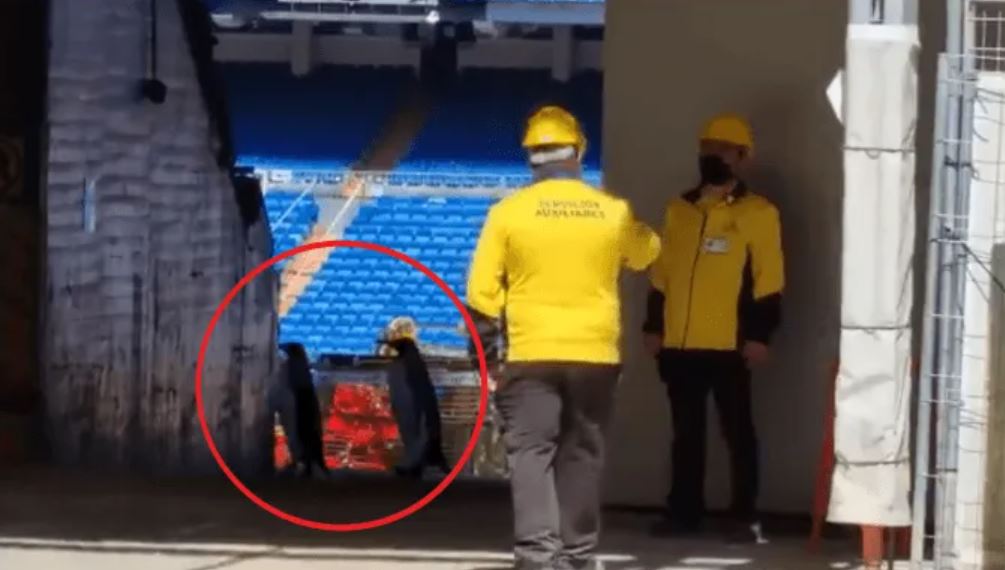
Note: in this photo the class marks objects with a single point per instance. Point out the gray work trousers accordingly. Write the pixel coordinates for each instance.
(555, 417)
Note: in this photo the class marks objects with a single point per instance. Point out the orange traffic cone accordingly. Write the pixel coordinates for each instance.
(825, 467)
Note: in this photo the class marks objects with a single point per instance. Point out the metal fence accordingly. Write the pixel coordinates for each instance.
(985, 33)
(955, 525)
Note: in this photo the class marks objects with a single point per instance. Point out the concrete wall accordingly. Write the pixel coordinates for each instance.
(670, 64)
(993, 523)
(131, 290)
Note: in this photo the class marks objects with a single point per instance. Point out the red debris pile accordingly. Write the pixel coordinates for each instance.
(360, 432)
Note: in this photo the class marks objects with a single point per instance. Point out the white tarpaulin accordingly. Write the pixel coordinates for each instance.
(872, 474)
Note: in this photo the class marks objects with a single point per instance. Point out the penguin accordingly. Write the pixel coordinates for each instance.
(413, 400)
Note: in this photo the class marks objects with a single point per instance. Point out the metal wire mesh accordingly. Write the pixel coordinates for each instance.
(967, 220)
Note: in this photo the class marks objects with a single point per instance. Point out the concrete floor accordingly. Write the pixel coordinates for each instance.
(52, 521)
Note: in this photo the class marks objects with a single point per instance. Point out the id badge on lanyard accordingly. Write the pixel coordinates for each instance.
(715, 245)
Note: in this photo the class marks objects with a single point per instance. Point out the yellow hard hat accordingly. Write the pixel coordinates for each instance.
(554, 126)
(401, 328)
(731, 129)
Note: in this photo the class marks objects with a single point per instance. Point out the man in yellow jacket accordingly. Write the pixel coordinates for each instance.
(549, 258)
(715, 302)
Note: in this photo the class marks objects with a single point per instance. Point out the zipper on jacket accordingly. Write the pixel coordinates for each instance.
(694, 268)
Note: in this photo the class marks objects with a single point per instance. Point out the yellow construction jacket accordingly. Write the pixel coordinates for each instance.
(548, 259)
(719, 278)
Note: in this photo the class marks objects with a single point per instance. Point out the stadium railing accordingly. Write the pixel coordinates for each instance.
(293, 206)
(404, 183)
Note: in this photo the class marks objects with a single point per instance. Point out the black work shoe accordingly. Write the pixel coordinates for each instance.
(437, 460)
(674, 527)
(322, 473)
(746, 533)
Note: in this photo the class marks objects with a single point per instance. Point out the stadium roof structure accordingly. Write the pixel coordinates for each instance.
(234, 13)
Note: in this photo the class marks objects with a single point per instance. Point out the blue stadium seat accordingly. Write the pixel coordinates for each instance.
(491, 105)
(291, 215)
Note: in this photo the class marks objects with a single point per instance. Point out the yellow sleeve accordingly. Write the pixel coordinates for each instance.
(658, 273)
(640, 244)
(767, 261)
(486, 293)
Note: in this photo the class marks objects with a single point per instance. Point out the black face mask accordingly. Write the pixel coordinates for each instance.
(713, 170)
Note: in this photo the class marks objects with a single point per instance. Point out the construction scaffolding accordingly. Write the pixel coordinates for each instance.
(958, 446)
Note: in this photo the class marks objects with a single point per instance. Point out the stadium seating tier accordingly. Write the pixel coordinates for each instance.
(317, 122)
(471, 139)
(356, 292)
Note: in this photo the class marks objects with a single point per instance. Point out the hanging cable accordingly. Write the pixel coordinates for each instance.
(998, 283)
(995, 279)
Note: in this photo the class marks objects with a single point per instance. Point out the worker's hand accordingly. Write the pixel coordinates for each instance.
(755, 353)
(653, 343)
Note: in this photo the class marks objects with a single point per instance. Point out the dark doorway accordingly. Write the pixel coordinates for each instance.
(23, 74)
